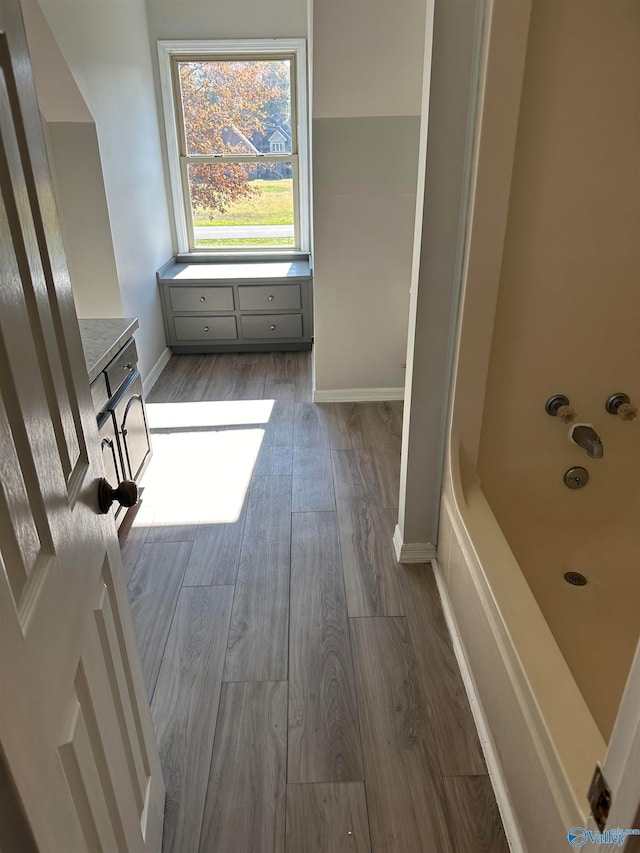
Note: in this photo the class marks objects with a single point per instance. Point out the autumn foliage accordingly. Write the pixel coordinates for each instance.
(225, 103)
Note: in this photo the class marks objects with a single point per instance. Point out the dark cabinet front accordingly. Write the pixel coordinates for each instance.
(122, 421)
(110, 452)
(132, 427)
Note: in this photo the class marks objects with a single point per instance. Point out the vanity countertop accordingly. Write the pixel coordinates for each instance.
(102, 338)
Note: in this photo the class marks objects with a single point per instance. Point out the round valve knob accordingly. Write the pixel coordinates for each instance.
(567, 414)
(126, 494)
(619, 404)
(627, 412)
(558, 407)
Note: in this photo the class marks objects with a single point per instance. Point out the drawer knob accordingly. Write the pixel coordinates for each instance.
(203, 299)
(126, 494)
(272, 328)
(206, 328)
(128, 366)
(270, 298)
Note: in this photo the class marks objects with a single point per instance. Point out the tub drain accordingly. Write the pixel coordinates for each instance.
(575, 578)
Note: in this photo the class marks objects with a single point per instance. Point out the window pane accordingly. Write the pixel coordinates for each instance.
(242, 205)
(236, 107)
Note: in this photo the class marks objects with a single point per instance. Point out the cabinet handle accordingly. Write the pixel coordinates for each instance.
(272, 328)
(203, 299)
(206, 328)
(128, 366)
(270, 298)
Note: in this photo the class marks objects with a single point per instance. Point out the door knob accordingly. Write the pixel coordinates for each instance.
(126, 494)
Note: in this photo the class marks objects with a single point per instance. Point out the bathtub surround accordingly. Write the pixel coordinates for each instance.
(572, 260)
(554, 216)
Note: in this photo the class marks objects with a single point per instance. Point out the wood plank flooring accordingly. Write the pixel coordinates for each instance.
(303, 684)
(185, 703)
(324, 741)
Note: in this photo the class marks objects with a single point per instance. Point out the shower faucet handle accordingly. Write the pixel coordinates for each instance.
(567, 414)
(627, 412)
(558, 407)
(619, 404)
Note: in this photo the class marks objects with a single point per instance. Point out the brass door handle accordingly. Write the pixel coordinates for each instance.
(126, 494)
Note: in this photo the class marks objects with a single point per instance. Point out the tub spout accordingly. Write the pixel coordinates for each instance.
(585, 436)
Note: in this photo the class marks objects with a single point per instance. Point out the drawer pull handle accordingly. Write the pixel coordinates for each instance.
(272, 328)
(127, 366)
(206, 328)
(203, 299)
(270, 298)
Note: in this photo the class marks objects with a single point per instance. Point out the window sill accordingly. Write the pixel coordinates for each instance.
(240, 257)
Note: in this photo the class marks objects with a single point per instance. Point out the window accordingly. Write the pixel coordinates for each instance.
(235, 114)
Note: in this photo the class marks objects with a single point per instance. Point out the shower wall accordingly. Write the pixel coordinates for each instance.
(568, 321)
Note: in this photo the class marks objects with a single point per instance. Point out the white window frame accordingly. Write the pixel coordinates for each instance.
(237, 49)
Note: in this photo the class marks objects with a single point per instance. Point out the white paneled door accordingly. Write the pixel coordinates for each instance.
(79, 765)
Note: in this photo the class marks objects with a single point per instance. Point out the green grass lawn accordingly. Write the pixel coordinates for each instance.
(274, 206)
(246, 242)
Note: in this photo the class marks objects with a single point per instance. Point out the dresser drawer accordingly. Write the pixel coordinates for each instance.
(204, 299)
(266, 296)
(121, 368)
(272, 326)
(205, 328)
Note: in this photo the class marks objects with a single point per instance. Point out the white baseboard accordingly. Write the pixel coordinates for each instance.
(496, 775)
(156, 370)
(412, 552)
(357, 395)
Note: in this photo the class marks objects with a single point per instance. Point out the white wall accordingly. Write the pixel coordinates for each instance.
(219, 19)
(367, 78)
(105, 44)
(447, 129)
(74, 157)
(78, 181)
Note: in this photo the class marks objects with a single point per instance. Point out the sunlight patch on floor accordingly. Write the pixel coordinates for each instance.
(208, 414)
(200, 477)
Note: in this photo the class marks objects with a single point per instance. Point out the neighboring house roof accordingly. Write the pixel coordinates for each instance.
(279, 136)
(273, 132)
(235, 139)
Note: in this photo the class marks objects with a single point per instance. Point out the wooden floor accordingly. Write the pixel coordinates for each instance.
(303, 685)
